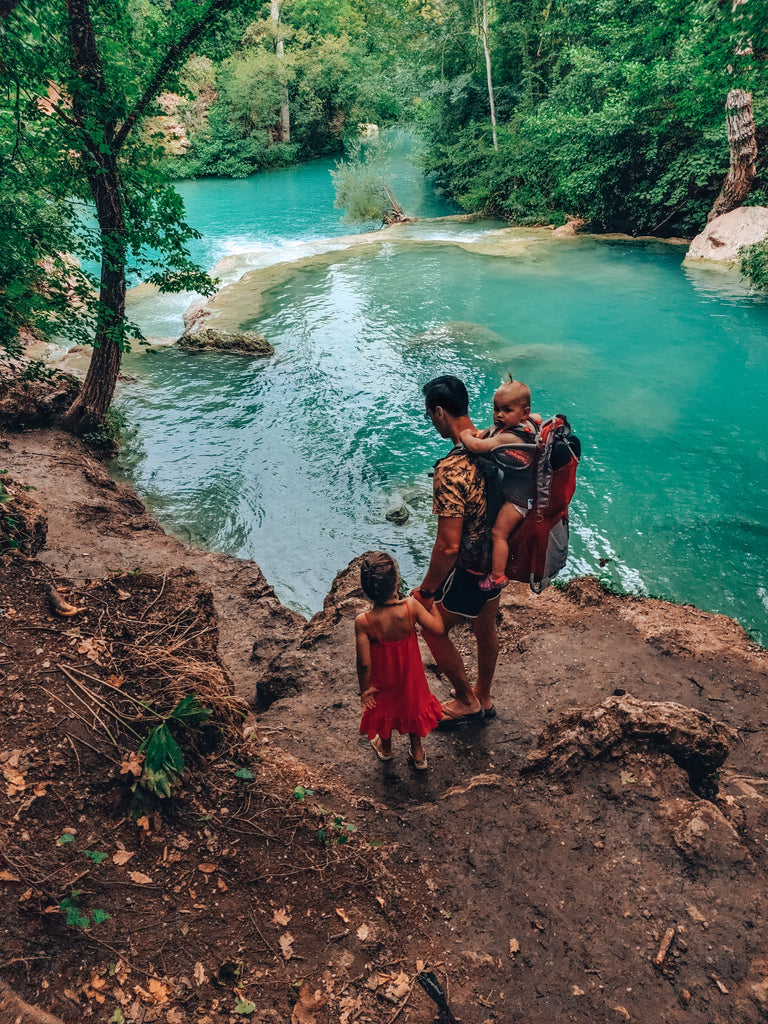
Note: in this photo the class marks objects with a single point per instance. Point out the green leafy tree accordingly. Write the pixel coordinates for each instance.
(612, 111)
(361, 187)
(80, 86)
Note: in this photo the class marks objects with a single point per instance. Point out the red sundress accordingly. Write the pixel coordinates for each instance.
(404, 701)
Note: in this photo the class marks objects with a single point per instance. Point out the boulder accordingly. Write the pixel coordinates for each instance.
(247, 343)
(723, 237)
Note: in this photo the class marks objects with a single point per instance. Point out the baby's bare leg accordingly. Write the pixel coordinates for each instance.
(507, 521)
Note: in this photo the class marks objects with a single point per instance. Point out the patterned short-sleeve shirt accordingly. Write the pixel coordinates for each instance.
(459, 493)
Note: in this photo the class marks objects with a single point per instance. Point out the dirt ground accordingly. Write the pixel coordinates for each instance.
(293, 877)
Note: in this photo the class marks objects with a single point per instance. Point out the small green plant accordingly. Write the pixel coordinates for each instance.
(97, 856)
(37, 370)
(107, 437)
(244, 774)
(754, 264)
(301, 793)
(342, 829)
(163, 757)
(338, 827)
(9, 524)
(76, 917)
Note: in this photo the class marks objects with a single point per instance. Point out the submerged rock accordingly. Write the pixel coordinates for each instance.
(247, 343)
(723, 237)
(398, 515)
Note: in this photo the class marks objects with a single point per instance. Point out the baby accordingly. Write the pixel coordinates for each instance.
(513, 424)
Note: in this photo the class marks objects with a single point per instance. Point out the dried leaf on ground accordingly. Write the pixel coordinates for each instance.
(281, 917)
(286, 941)
(132, 764)
(122, 857)
(200, 975)
(398, 987)
(158, 990)
(139, 878)
(207, 869)
(348, 1008)
(308, 1004)
(93, 648)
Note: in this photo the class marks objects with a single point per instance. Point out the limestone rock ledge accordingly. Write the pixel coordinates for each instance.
(247, 343)
(724, 236)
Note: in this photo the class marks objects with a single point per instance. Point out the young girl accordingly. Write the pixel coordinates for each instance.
(393, 685)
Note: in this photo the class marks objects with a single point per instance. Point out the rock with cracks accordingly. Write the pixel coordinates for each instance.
(695, 741)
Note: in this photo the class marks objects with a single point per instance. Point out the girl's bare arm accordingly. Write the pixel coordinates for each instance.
(429, 619)
(363, 648)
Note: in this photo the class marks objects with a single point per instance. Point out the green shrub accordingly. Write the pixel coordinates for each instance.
(754, 264)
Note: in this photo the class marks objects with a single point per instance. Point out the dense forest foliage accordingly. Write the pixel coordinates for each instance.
(534, 110)
(610, 111)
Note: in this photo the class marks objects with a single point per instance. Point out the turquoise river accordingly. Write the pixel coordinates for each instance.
(294, 461)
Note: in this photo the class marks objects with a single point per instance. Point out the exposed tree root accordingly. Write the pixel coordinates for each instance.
(695, 741)
(13, 1010)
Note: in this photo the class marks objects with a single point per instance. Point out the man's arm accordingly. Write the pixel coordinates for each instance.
(444, 552)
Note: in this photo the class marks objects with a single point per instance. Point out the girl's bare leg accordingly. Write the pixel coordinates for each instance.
(417, 748)
(386, 744)
(507, 521)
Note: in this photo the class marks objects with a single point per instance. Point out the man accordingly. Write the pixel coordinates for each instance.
(460, 557)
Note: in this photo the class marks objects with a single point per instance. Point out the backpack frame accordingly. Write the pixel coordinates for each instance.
(544, 481)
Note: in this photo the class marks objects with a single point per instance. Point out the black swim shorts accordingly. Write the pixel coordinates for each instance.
(460, 593)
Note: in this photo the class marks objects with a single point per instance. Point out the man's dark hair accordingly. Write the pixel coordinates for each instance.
(448, 392)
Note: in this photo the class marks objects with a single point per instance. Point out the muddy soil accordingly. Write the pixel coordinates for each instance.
(608, 890)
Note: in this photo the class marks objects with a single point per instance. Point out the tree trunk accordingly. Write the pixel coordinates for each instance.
(487, 51)
(392, 212)
(284, 127)
(89, 408)
(741, 138)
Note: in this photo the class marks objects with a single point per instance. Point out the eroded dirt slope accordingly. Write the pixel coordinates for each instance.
(535, 898)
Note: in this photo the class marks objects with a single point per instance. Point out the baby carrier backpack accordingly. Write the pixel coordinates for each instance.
(540, 476)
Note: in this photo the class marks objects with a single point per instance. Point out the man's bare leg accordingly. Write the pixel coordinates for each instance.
(451, 664)
(487, 637)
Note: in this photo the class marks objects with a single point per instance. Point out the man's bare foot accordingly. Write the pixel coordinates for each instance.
(455, 711)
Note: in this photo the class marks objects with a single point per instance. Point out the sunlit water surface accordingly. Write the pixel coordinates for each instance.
(294, 461)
